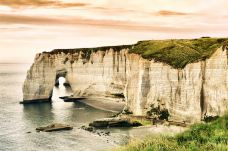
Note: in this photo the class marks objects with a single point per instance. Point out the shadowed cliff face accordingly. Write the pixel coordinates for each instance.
(199, 89)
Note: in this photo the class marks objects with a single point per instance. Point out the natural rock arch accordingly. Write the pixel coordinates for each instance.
(59, 75)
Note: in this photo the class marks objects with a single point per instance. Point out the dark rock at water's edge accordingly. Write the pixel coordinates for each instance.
(70, 99)
(150, 120)
(35, 101)
(88, 128)
(114, 122)
(93, 130)
(64, 97)
(54, 127)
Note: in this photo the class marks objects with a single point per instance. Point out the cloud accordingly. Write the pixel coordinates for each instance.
(74, 21)
(171, 13)
(39, 3)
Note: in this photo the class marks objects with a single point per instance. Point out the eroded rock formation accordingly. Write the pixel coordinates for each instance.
(200, 89)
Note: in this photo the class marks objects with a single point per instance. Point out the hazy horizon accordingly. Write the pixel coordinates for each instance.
(28, 27)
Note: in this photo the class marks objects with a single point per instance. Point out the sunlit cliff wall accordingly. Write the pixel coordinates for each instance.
(199, 89)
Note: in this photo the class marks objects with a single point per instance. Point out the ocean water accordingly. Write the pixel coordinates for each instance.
(17, 120)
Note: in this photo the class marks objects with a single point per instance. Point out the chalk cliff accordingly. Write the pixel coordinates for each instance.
(190, 93)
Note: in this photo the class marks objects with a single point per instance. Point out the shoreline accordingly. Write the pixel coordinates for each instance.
(101, 103)
(104, 104)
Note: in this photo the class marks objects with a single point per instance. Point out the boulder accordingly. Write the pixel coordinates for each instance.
(71, 99)
(95, 131)
(88, 128)
(36, 101)
(54, 127)
(112, 122)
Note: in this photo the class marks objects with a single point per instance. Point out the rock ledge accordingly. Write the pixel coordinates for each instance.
(54, 127)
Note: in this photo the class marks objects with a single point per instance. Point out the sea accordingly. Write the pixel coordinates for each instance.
(18, 122)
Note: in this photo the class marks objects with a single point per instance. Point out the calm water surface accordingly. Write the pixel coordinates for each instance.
(16, 120)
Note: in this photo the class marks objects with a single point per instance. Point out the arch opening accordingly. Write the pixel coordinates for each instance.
(62, 87)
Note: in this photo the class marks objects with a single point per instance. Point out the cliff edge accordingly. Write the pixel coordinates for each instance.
(189, 78)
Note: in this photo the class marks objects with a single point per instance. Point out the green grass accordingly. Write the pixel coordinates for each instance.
(199, 137)
(179, 52)
(175, 52)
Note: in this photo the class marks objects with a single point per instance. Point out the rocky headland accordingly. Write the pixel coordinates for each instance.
(188, 79)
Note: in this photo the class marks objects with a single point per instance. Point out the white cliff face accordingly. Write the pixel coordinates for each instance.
(40, 78)
(216, 83)
(161, 85)
(199, 89)
(102, 75)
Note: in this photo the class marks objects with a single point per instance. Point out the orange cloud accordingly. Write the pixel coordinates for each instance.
(171, 13)
(113, 24)
(39, 3)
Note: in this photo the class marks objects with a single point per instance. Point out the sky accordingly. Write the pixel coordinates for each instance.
(28, 27)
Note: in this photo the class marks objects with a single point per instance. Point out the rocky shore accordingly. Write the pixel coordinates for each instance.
(54, 127)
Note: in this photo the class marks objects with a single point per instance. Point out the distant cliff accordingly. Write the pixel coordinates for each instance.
(189, 78)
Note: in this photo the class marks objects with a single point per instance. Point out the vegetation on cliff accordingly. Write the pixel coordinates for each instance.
(179, 52)
(89, 50)
(175, 52)
(210, 136)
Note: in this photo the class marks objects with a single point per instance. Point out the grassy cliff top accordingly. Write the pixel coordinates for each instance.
(179, 52)
(175, 52)
(115, 48)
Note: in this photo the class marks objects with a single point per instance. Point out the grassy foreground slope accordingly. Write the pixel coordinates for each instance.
(199, 137)
(178, 52)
